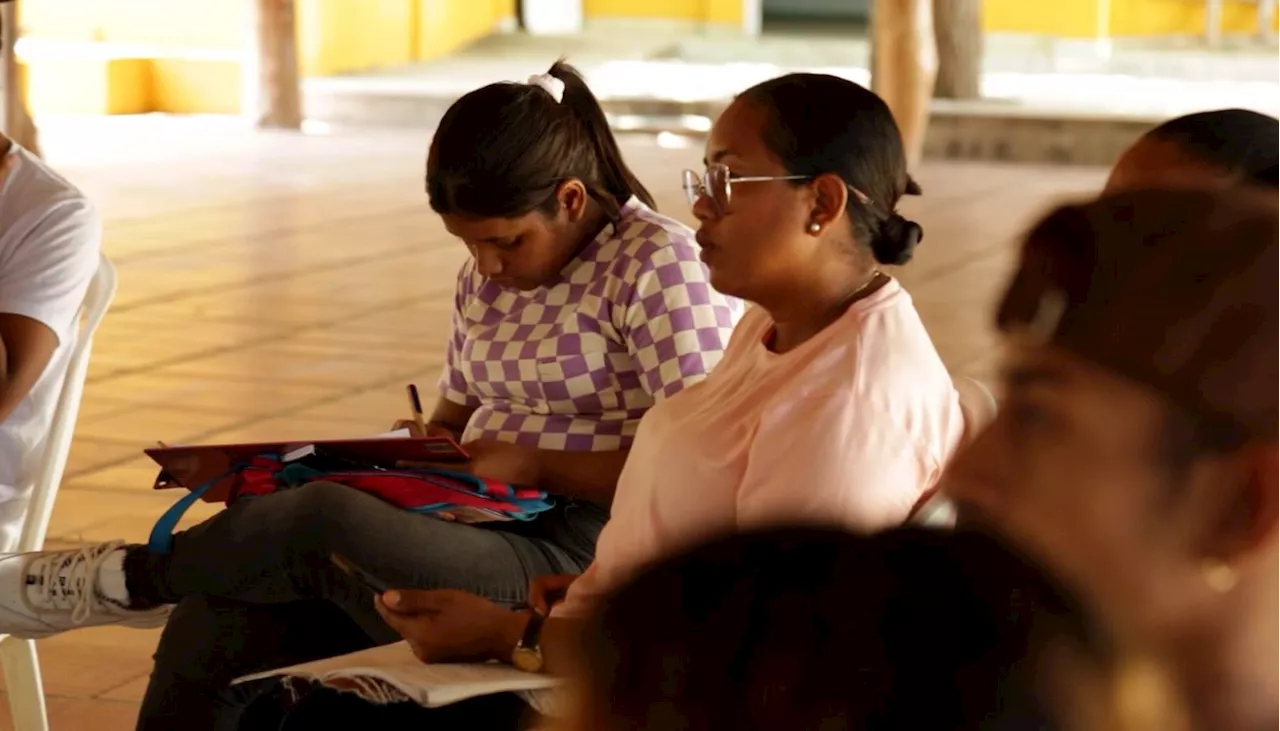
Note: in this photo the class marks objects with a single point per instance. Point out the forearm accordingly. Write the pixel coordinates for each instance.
(590, 476)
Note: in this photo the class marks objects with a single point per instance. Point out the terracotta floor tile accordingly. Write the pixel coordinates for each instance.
(135, 474)
(75, 665)
(81, 714)
(131, 691)
(149, 424)
(78, 509)
(89, 454)
(132, 527)
(255, 394)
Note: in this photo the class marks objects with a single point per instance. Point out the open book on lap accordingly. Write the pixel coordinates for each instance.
(392, 673)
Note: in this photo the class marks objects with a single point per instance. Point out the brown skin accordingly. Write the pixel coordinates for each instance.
(527, 252)
(1072, 470)
(455, 626)
(1155, 163)
(761, 249)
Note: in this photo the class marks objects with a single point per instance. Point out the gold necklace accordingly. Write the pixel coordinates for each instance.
(849, 299)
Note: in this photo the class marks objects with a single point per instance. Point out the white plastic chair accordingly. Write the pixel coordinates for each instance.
(18, 657)
(979, 408)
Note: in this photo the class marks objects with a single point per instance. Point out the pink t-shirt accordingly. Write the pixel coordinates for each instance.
(849, 428)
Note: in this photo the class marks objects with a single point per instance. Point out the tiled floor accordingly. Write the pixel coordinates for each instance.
(277, 286)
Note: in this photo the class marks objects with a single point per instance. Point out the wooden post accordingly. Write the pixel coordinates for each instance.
(1266, 13)
(1213, 23)
(273, 94)
(18, 125)
(904, 64)
(957, 26)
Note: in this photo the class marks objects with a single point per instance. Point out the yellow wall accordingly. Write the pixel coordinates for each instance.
(1049, 17)
(444, 26)
(1177, 17)
(338, 36)
(130, 56)
(709, 11)
(168, 24)
(193, 86)
(1080, 18)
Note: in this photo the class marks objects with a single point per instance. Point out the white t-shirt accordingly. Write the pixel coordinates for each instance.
(50, 238)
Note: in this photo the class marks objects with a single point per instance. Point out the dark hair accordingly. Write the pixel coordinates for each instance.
(1186, 437)
(813, 629)
(502, 151)
(825, 124)
(1270, 177)
(1239, 141)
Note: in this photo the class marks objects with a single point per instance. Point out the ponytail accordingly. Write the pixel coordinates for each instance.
(615, 177)
(503, 150)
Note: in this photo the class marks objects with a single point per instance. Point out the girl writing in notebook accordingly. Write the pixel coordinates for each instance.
(580, 308)
(831, 404)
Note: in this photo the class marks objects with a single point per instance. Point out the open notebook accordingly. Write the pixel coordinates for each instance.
(391, 673)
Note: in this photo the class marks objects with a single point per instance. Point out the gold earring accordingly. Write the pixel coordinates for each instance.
(1219, 576)
(815, 227)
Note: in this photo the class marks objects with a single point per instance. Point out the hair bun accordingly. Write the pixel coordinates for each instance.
(896, 240)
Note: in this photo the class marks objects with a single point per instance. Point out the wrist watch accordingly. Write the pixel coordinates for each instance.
(528, 653)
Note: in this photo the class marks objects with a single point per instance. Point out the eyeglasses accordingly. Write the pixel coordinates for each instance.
(717, 185)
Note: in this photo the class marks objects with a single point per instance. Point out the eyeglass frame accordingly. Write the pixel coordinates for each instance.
(695, 185)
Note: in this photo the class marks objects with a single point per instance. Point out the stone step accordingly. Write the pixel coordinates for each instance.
(982, 130)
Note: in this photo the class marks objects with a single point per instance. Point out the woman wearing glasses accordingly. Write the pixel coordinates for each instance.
(830, 404)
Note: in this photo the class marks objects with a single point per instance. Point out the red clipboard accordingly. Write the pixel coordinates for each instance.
(193, 466)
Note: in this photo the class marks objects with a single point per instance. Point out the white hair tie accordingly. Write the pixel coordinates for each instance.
(549, 84)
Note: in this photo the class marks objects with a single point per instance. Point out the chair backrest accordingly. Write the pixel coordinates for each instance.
(978, 406)
(102, 290)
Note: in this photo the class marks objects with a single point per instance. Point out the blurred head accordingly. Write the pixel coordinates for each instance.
(828, 169)
(816, 630)
(519, 175)
(1135, 451)
(1209, 149)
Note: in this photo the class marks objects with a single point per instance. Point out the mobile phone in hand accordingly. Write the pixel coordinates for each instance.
(366, 579)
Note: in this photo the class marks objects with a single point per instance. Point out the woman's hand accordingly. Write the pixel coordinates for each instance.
(548, 590)
(498, 461)
(452, 626)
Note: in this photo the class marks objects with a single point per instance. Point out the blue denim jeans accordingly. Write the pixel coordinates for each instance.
(255, 588)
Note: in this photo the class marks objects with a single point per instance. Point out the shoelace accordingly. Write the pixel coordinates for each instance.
(80, 568)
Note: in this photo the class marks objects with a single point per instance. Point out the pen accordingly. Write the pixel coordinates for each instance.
(415, 405)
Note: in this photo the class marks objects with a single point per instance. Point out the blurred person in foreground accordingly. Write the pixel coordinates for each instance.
(1135, 454)
(816, 630)
(1221, 148)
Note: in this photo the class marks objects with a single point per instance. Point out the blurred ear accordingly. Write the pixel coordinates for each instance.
(830, 195)
(572, 195)
(1243, 503)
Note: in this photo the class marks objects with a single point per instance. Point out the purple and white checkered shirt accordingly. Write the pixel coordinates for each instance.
(574, 365)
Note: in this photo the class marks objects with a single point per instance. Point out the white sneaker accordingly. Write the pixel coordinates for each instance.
(48, 592)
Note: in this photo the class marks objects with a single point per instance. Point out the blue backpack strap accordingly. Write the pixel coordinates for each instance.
(161, 540)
